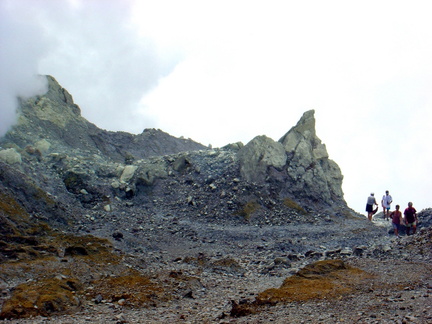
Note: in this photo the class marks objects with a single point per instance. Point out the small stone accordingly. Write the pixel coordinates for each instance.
(387, 248)
(98, 299)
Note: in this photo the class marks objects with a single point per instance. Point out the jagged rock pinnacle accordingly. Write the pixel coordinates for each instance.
(299, 163)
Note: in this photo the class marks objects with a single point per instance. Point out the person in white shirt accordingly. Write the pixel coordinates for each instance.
(385, 203)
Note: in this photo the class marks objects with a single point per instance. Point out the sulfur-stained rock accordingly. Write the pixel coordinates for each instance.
(43, 297)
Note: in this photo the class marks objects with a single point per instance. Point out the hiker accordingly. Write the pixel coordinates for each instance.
(411, 220)
(385, 203)
(397, 220)
(371, 201)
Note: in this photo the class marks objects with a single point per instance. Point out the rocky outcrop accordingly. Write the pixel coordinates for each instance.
(53, 123)
(298, 164)
(309, 168)
(100, 169)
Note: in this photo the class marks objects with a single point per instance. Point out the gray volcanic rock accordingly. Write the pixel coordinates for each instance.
(54, 122)
(298, 165)
(312, 173)
(10, 156)
(263, 181)
(258, 156)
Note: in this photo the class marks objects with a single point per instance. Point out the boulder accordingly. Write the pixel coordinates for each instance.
(10, 156)
(258, 155)
(43, 146)
(128, 173)
(149, 172)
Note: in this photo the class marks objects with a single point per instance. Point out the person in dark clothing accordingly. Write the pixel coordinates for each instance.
(371, 201)
(410, 215)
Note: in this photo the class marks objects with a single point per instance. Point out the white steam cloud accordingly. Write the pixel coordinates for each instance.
(110, 67)
(91, 48)
(21, 44)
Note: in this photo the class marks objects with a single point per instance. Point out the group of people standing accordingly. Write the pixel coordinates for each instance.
(409, 218)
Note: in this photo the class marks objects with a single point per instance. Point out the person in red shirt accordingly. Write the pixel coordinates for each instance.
(410, 214)
(396, 217)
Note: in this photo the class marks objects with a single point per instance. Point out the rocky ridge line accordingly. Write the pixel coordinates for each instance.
(194, 224)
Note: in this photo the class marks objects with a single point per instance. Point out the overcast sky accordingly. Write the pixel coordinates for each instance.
(226, 71)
